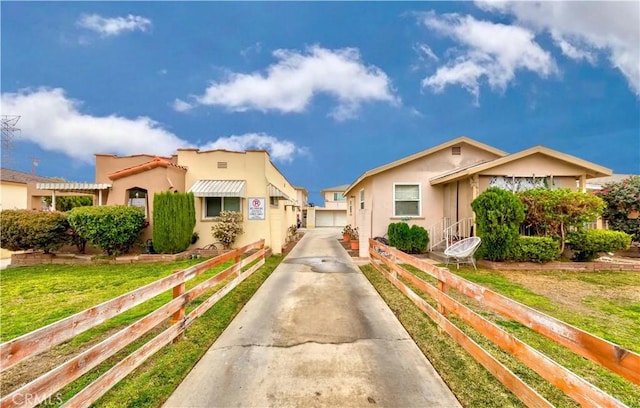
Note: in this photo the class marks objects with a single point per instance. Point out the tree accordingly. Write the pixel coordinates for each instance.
(552, 212)
(66, 203)
(498, 216)
(173, 221)
(622, 200)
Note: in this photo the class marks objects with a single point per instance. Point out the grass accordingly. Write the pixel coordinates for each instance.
(602, 311)
(152, 383)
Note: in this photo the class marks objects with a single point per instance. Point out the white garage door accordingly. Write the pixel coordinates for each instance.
(331, 218)
(324, 218)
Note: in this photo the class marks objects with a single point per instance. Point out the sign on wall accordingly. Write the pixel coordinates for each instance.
(256, 208)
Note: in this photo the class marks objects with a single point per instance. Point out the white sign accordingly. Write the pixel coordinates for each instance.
(256, 208)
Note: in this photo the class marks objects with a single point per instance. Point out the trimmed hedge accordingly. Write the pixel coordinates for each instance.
(498, 217)
(412, 240)
(174, 218)
(114, 228)
(536, 249)
(587, 244)
(38, 230)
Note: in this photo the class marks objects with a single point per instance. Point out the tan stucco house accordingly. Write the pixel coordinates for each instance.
(247, 182)
(334, 211)
(434, 188)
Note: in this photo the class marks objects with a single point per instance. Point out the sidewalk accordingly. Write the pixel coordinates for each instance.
(315, 334)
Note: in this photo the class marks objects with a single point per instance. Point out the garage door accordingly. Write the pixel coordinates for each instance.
(324, 219)
(340, 219)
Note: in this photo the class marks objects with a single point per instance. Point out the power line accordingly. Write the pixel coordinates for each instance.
(9, 130)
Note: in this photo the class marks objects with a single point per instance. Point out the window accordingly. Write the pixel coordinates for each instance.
(362, 199)
(351, 205)
(339, 197)
(137, 197)
(406, 200)
(213, 205)
(273, 201)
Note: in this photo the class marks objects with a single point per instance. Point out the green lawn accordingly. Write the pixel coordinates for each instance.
(606, 304)
(35, 296)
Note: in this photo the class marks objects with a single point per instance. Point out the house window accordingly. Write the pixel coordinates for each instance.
(137, 197)
(213, 205)
(362, 199)
(273, 201)
(351, 206)
(339, 197)
(406, 200)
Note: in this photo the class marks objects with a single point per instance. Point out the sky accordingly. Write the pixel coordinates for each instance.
(330, 89)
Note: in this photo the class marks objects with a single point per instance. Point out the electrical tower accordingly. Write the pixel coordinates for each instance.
(9, 130)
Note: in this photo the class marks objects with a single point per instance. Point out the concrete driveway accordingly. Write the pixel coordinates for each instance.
(316, 334)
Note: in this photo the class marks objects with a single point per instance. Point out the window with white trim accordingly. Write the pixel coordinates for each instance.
(406, 200)
(211, 206)
(362, 199)
(339, 197)
(137, 197)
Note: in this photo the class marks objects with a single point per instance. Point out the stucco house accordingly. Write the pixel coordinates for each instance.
(334, 211)
(247, 182)
(302, 197)
(434, 188)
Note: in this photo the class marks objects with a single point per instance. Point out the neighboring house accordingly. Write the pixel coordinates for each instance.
(334, 211)
(247, 182)
(434, 188)
(302, 197)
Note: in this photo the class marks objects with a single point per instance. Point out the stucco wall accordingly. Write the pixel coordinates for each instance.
(257, 170)
(13, 196)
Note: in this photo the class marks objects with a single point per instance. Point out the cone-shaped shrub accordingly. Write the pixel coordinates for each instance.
(174, 217)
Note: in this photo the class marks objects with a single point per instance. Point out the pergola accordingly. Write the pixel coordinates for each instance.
(86, 188)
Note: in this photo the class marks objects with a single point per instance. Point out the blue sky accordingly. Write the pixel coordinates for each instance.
(331, 89)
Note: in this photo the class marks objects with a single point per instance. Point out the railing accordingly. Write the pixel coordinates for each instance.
(447, 233)
(30, 344)
(606, 354)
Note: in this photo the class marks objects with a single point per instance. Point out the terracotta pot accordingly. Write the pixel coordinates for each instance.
(355, 244)
(346, 237)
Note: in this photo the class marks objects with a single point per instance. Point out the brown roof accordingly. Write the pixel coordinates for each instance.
(156, 162)
(22, 177)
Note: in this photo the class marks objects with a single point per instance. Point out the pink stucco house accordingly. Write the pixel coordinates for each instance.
(434, 188)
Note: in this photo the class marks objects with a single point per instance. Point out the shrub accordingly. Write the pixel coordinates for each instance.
(412, 240)
(498, 217)
(114, 229)
(66, 203)
(38, 230)
(622, 198)
(536, 249)
(174, 218)
(228, 227)
(587, 244)
(551, 212)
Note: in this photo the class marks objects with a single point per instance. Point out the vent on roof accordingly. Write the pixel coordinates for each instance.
(222, 165)
(456, 150)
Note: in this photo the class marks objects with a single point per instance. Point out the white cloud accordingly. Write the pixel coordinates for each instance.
(54, 122)
(290, 84)
(610, 28)
(279, 150)
(181, 106)
(427, 51)
(491, 52)
(108, 27)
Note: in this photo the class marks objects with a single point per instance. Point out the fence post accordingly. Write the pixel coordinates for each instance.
(444, 288)
(178, 316)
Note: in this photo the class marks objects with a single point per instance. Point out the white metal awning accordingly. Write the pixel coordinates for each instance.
(275, 192)
(218, 188)
(77, 187)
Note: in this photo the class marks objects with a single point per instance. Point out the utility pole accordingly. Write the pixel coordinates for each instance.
(9, 129)
(34, 163)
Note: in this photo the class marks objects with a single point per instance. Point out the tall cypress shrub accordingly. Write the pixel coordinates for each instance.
(174, 218)
(498, 216)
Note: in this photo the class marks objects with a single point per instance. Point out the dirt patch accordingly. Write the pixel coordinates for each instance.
(571, 293)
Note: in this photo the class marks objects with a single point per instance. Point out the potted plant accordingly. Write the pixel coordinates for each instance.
(346, 233)
(355, 239)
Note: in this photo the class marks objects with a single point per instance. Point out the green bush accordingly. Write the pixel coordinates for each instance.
(535, 249)
(622, 198)
(29, 229)
(114, 228)
(498, 217)
(412, 240)
(66, 203)
(174, 218)
(587, 244)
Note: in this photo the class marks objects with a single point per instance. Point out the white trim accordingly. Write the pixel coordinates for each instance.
(204, 206)
(419, 198)
(361, 198)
